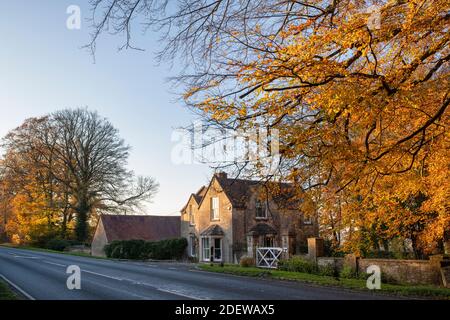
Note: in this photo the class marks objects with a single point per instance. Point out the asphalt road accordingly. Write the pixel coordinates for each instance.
(42, 276)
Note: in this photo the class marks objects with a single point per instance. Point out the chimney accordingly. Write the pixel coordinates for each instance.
(221, 175)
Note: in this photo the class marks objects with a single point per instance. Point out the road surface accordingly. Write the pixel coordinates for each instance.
(42, 276)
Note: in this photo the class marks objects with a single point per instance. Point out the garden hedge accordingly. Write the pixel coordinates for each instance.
(172, 249)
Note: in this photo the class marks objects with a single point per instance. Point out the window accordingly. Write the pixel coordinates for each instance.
(214, 208)
(307, 220)
(218, 249)
(206, 249)
(250, 245)
(191, 215)
(261, 210)
(193, 245)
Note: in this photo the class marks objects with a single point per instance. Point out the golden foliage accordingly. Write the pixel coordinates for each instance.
(362, 112)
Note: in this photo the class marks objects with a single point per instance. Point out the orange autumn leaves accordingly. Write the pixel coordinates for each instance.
(362, 112)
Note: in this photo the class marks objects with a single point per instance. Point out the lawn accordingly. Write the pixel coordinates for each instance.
(5, 292)
(422, 291)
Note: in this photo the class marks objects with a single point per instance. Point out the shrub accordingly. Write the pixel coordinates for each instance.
(247, 262)
(327, 270)
(57, 244)
(348, 273)
(142, 250)
(298, 264)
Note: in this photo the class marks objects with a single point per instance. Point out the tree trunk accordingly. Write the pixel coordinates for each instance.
(81, 228)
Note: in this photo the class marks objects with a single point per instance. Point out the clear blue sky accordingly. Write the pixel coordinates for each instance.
(43, 69)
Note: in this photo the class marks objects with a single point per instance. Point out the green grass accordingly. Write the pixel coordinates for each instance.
(356, 284)
(5, 292)
(79, 254)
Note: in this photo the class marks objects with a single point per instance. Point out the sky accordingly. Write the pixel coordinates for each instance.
(43, 69)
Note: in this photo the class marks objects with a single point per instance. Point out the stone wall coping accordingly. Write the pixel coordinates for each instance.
(397, 260)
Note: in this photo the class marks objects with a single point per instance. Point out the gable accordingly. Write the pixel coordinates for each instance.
(214, 190)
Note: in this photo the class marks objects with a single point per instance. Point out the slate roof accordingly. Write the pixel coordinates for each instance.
(262, 229)
(239, 190)
(150, 228)
(198, 196)
(213, 230)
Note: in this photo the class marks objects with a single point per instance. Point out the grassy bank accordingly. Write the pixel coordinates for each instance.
(79, 254)
(356, 284)
(5, 292)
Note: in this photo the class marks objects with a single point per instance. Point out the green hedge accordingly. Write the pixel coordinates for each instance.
(300, 264)
(143, 250)
(57, 244)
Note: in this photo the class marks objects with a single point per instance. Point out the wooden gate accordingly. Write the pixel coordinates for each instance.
(268, 257)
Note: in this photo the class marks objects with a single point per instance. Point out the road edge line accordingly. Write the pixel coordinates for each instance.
(15, 286)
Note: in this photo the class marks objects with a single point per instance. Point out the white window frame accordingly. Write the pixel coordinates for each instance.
(263, 206)
(206, 251)
(191, 215)
(221, 248)
(250, 245)
(193, 251)
(307, 220)
(215, 214)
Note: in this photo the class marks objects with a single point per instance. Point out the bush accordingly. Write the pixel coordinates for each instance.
(298, 264)
(247, 262)
(57, 244)
(142, 250)
(348, 273)
(303, 265)
(328, 270)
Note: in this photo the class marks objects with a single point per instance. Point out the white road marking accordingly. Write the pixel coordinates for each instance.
(103, 275)
(178, 294)
(55, 264)
(15, 286)
(23, 257)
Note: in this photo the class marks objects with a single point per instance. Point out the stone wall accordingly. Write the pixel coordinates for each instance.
(392, 270)
(403, 271)
(330, 261)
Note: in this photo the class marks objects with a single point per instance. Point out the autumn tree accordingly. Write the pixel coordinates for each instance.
(71, 164)
(359, 91)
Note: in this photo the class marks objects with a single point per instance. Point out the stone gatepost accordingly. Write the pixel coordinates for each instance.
(351, 261)
(315, 248)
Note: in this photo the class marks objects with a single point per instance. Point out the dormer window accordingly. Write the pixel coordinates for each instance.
(261, 210)
(214, 208)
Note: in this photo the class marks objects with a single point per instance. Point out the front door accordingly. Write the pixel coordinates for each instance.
(217, 249)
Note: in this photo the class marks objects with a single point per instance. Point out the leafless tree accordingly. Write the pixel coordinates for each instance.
(83, 164)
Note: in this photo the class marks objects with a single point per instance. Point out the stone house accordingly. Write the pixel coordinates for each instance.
(230, 218)
(133, 227)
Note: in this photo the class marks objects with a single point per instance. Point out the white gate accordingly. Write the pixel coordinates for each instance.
(268, 257)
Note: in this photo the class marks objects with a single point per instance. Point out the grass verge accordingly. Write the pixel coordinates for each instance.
(79, 254)
(422, 291)
(6, 293)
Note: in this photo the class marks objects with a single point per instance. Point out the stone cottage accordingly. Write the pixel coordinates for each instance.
(230, 218)
(133, 227)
